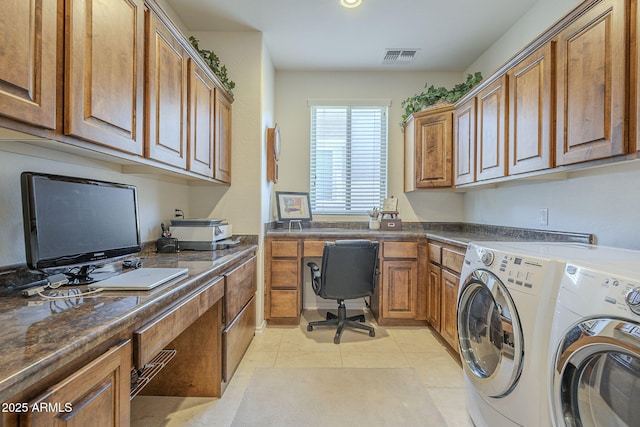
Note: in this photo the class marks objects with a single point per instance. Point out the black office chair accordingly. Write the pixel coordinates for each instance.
(349, 270)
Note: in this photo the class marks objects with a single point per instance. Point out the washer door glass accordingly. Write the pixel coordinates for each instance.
(598, 378)
(490, 335)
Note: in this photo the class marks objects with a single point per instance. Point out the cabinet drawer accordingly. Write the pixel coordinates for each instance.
(236, 339)
(161, 330)
(314, 248)
(239, 286)
(452, 260)
(98, 394)
(435, 253)
(400, 249)
(284, 273)
(284, 248)
(284, 303)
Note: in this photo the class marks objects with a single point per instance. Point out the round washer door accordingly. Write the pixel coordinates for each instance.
(489, 334)
(597, 374)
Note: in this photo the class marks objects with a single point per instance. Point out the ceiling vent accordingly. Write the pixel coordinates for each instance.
(399, 56)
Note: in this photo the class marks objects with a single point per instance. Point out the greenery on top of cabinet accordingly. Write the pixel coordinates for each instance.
(213, 62)
(440, 95)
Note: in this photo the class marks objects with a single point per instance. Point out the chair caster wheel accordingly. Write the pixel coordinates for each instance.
(336, 340)
(372, 333)
(309, 328)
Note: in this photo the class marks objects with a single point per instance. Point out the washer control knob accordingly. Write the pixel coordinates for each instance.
(633, 300)
(487, 258)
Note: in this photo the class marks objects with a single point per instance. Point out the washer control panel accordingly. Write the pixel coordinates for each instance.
(633, 299)
(603, 291)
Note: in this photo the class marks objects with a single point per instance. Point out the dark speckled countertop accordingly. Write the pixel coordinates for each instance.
(40, 336)
(457, 233)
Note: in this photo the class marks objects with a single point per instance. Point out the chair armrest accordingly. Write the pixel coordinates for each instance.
(315, 276)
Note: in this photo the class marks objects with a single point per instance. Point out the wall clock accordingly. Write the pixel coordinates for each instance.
(273, 153)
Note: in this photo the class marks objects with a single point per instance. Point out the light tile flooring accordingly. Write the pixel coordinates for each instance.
(291, 346)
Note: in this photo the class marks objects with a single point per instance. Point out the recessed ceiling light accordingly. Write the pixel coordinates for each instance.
(350, 3)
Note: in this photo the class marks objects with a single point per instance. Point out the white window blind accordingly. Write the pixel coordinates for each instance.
(348, 158)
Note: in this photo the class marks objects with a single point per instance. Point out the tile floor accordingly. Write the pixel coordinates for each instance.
(293, 346)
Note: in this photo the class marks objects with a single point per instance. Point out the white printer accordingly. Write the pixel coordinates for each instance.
(202, 234)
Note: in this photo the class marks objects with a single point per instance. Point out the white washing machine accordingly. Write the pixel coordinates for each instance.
(505, 308)
(506, 302)
(595, 345)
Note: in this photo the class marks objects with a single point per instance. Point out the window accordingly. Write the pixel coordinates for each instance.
(348, 158)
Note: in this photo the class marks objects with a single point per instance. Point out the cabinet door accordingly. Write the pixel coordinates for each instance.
(166, 136)
(492, 131)
(28, 61)
(449, 308)
(240, 286)
(591, 85)
(531, 112)
(433, 296)
(464, 136)
(399, 289)
(222, 161)
(201, 120)
(104, 74)
(96, 395)
(433, 152)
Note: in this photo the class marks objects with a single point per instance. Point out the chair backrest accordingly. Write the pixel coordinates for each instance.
(349, 269)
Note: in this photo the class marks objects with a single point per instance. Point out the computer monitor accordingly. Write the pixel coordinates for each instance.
(77, 222)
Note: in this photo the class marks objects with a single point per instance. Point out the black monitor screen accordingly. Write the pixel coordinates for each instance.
(72, 221)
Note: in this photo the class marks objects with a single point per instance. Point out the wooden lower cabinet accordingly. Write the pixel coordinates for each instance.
(399, 298)
(236, 338)
(239, 315)
(445, 265)
(433, 295)
(96, 395)
(283, 280)
(399, 281)
(449, 314)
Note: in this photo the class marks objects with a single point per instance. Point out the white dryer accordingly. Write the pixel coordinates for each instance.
(595, 344)
(505, 307)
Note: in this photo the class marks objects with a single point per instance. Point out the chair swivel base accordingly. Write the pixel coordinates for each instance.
(341, 320)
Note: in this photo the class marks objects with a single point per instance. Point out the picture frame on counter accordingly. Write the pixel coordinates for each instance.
(293, 206)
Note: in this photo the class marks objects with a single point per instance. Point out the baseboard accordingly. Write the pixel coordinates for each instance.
(260, 328)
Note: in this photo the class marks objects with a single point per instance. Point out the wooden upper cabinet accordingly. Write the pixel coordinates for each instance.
(201, 120)
(104, 75)
(492, 130)
(222, 157)
(591, 84)
(531, 134)
(464, 136)
(28, 61)
(428, 149)
(166, 85)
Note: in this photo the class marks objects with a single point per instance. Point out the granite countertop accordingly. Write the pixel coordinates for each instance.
(455, 233)
(41, 336)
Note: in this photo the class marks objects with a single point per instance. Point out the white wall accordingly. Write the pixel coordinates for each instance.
(603, 201)
(157, 199)
(246, 203)
(294, 88)
(540, 17)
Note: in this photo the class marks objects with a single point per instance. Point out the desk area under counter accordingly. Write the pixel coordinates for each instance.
(420, 268)
(80, 351)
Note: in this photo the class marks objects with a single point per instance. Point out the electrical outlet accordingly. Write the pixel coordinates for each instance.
(544, 216)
